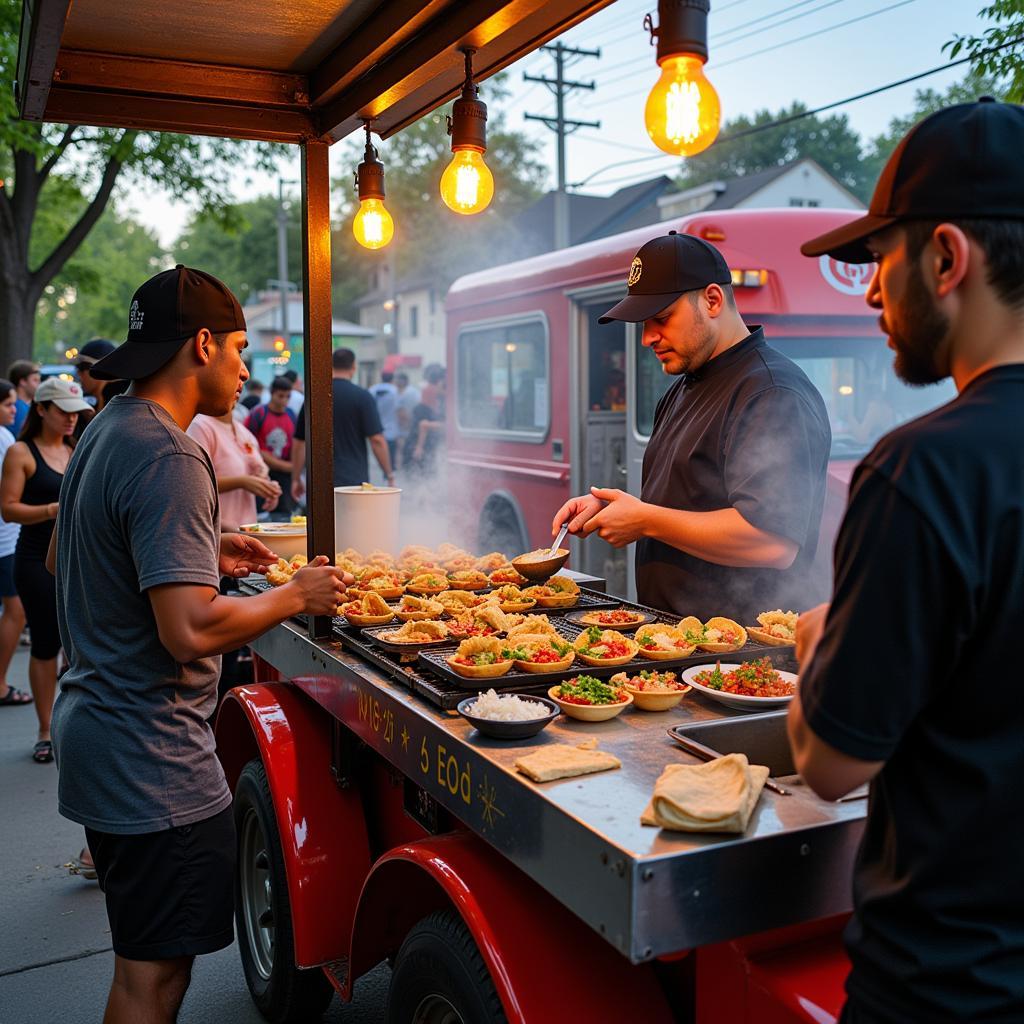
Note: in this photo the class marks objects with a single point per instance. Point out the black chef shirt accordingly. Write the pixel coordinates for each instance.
(355, 419)
(919, 666)
(747, 431)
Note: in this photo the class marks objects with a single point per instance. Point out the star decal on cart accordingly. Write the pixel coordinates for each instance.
(488, 797)
(405, 738)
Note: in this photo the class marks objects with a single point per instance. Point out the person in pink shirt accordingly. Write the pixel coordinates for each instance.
(242, 475)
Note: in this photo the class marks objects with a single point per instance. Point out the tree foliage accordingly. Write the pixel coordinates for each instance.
(999, 51)
(830, 141)
(38, 163)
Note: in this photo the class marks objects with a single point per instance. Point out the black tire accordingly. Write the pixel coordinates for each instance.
(499, 531)
(282, 993)
(439, 977)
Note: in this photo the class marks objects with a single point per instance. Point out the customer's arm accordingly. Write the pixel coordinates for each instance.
(196, 621)
(298, 464)
(51, 554)
(260, 486)
(18, 463)
(383, 456)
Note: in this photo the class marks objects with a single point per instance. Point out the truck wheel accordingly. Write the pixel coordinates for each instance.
(440, 978)
(281, 992)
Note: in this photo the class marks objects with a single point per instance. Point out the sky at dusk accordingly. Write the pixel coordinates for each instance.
(764, 54)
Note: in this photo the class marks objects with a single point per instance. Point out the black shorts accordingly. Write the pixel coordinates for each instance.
(169, 894)
(7, 588)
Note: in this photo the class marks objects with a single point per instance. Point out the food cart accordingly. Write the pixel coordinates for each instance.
(375, 823)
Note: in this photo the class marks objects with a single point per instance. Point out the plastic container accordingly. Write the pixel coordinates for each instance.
(286, 540)
(367, 520)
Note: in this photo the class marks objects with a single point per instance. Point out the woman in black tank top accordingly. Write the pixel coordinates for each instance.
(29, 492)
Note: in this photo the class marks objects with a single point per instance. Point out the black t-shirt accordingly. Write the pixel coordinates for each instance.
(355, 419)
(747, 431)
(919, 667)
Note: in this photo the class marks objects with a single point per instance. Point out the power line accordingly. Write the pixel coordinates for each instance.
(645, 59)
(780, 122)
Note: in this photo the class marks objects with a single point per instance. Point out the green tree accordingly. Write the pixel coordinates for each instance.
(242, 252)
(999, 51)
(926, 101)
(37, 164)
(828, 140)
(90, 296)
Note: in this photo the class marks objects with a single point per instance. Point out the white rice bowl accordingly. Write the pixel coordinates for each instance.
(507, 708)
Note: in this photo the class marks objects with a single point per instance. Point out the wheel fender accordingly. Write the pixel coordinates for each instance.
(322, 828)
(542, 959)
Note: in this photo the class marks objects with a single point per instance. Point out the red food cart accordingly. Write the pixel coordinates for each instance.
(373, 822)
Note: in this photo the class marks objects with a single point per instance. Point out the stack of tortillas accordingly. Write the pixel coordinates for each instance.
(561, 761)
(717, 796)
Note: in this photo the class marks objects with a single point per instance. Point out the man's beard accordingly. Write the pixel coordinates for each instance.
(921, 332)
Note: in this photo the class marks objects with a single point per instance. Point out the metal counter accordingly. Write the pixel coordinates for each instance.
(647, 891)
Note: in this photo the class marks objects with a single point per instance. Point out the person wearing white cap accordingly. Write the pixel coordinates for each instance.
(29, 490)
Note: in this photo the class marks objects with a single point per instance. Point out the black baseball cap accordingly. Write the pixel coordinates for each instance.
(165, 312)
(963, 161)
(662, 270)
(92, 352)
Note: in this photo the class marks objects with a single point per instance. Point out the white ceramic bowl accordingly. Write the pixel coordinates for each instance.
(286, 540)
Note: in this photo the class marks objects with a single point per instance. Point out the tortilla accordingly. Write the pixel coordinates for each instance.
(719, 647)
(560, 761)
(768, 639)
(715, 796)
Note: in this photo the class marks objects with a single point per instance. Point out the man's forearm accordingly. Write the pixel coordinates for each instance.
(298, 463)
(380, 451)
(723, 537)
(222, 623)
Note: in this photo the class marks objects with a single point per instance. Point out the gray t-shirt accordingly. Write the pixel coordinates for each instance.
(138, 508)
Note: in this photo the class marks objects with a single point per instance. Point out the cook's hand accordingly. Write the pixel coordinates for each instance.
(809, 628)
(241, 555)
(322, 586)
(262, 486)
(298, 490)
(620, 522)
(577, 511)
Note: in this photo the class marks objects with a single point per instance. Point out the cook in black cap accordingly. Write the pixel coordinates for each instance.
(910, 678)
(139, 557)
(734, 474)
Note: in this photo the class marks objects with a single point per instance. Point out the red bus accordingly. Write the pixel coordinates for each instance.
(545, 403)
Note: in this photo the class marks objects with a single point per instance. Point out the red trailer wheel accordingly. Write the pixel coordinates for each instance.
(281, 992)
(440, 978)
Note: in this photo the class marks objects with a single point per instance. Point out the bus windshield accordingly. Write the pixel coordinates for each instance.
(864, 397)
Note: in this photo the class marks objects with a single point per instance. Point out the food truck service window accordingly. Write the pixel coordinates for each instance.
(503, 379)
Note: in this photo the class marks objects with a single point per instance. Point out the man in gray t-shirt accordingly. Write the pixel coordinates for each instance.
(138, 555)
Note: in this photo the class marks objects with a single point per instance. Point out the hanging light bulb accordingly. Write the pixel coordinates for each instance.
(467, 185)
(682, 112)
(373, 226)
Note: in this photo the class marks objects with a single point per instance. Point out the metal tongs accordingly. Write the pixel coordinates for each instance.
(558, 540)
(707, 754)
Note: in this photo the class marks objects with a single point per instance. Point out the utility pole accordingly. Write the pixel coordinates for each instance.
(282, 256)
(561, 126)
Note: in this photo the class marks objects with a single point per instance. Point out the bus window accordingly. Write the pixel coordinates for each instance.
(651, 383)
(503, 379)
(606, 362)
(864, 397)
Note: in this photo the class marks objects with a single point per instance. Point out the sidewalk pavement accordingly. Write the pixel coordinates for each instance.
(55, 957)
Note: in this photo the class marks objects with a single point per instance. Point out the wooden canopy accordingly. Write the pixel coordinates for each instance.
(284, 71)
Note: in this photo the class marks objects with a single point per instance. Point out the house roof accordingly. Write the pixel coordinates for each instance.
(265, 315)
(592, 216)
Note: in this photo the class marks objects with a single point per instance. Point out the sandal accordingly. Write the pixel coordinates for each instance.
(15, 698)
(80, 866)
(42, 752)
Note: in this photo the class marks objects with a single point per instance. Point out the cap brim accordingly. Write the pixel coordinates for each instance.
(635, 308)
(136, 359)
(71, 404)
(848, 243)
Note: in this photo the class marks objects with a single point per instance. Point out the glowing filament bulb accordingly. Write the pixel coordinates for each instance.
(467, 185)
(373, 226)
(682, 113)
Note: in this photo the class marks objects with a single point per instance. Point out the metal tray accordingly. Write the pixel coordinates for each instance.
(406, 652)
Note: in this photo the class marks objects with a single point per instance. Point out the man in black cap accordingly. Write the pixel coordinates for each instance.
(139, 557)
(88, 355)
(734, 473)
(908, 677)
